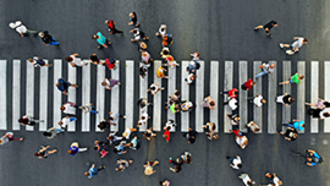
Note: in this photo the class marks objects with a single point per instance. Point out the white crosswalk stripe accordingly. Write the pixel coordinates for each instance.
(144, 94)
(203, 77)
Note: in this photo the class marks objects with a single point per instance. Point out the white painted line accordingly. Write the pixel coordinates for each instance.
(72, 93)
(301, 94)
(314, 93)
(144, 94)
(100, 96)
(257, 90)
(214, 93)
(200, 97)
(43, 101)
(185, 96)
(57, 101)
(243, 76)
(129, 93)
(16, 114)
(286, 111)
(272, 89)
(157, 104)
(228, 84)
(115, 96)
(29, 107)
(3, 95)
(171, 86)
(326, 92)
(86, 95)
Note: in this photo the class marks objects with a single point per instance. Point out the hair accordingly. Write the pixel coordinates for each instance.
(60, 123)
(86, 174)
(272, 65)
(280, 182)
(212, 103)
(168, 128)
(305, 40)
(106, 21)
(58, 84)
(257, 130)
(69, 59)
(134, 31)
(238, 118)
(166, 52)
(254, 83)
(197, 54)
(301, 77)
(37, 154)
(31, 60)
(326, 114)
(274, 23)
(47, 134)
(41, 34)
(160, 183)
(94, 36)
(20, 120)
(70, 152)
(188, 160)
(153, 88)
(1, 141)
(131, 145)
(263, 101)
(293, 100)
(62, 108)
(103, 83)
(327, 104)
(239, 166)
(125, 134)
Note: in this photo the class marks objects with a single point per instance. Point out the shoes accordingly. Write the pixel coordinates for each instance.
(227, 157)
(281, 45)
(255, 29)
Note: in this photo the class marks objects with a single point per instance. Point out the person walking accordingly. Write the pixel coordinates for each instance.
(170, 62)
(111, 63)
(109, 83)
(253, 127)
(66, 121)
(149, 133)
(120, 149)
(69, 108)
(268, 26)
(164, 183)
(296, 78)
(187, 106)
(321, 104)
(266, 69)
(236, 162)
(242, 141)
(123, 164)
(186, 157)
(161, 72)
(127, 133)
(112, 27)
(177, 165)
(161, 31)
(93, 171)
(142, 102)
(74, 149)
(274, 179)
(318, 113)
(28, 120)
(295, 46)
(134, 144)
(113, 138)
(209, 103)
(74, 61)
(48, 39)
(143, 121)
(146, 58)
(38, 62)
(143, 70)
(247, 85)
(104, 124)
(88, 108)
(52, 132)
(233, 93)
(258, 101)
(190, 78)
(193, 66)
(190, 136)
(167, 134)
(233, 105)
(21, 28)
(8, 137)
(299, 125)
(155, 88)
(95, 60)
(285, 99)
(63, 85)
(149, 167)
(113, 118)
(133, 19)
(195, 56)
(138, 35)
(169, 124)
(311, 157)
(234, 120)
(290, 134)
(44, 152)
(246, 179)
(103, 41)
(99, 146)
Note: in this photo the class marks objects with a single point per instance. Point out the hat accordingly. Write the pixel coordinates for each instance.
(12, 25)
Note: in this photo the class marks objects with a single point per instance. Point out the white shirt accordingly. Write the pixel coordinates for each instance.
(65, 121)
(321, 114)
(257, 100)
(267, 69)
(155, 90)
(232, 104)
(275, 180)
(236, 162)
(298, 43)
(144, 121)
(76, 61)
(69, 109)
(20, 28)
(128, 131)
(108, 83)
(162, 33)
(241, 140)
(188, 78)
(137, 36)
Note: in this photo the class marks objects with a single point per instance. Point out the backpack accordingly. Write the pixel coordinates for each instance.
(111, 24)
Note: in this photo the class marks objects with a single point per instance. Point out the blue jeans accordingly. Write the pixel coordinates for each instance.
(54, 42)
(261, 74)
(93, 111)
(59, 130)
(73, 119)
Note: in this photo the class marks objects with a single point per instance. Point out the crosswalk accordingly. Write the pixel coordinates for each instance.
(49, 109)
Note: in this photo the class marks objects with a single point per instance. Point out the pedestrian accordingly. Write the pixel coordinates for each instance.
(66, 121)
(296, 78)
(321, 104)
(146, 57)
(21, 28)
(209, 127)
(134, 144)
(266, 69)
(48, 39)
(267, 27)
(290, 134)
(177, 165)
(138, 35)
(246, 179)
(253, 127)
(164, 183)
(212, 135)
(299, 125)
(104, 124)
(111, 63)
(142, 102)
(169, 124)
(161, 72)
(167, 134)
(63, 85)
(38, 62)
(149, 167)
(69, 108)
(187, 106)
(123, 164)
(99, 146)
(112, 27)
(193, 66)
(190, 136)
(161, 31)
(113, 118)
(74, 149)
(52, 132)
(109, 83)
(93, 171)
(142, 46)
(88, 108)
(195, 56)
(28, 120)
(286, 99)
(209, 102)
(235, 163)
(165, 52)
(143, 121)
(258, 100)
(242, 141)
(233, 105)
(295, 46)
(126, 134)
(174, 107)
(155, 88)
(233, 93)
(167, 40)
(311, 157)
(113, 138)
(95, 60)
(176, 95)
(43, 153)
(318, 113)
(8, 137)
(74, 61)
(274, 179)
(247, 85)
(234, 120)
(149, 133)
(186, 157)
(103, 41)
(133, 19)
(170, 62)
(190, 78)
(143, 70)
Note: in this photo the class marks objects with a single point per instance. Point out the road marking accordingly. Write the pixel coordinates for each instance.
(257, 90)
(214, 93)
(43, 101)
(171, 89)
(57, 101)
(115, 96)
(72, 93)
(16, 113)
(100, 96)
(129, 93)
(29, 107)
(301, 94)
(185, 96)
(326, 92)
(272, 89)
(286, 111)
(3, 95)
(144, 94)
(200, 97)
(314, 93)
(243, 95)
(228, 84)
(86, 96)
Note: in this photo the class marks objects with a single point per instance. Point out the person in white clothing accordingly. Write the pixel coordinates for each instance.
(195, 56)
(66, 121)
(88, 108)
(69, 108)
(113, 138)
(155, 88)
(74, 61)
(127, 133)
(242, 141)
(235, 163)
(21, 28)
(266, 69)
(190, 79)
(162, 30)
(114, 117)
(146, 57)
(258, 100)
(169, 124)
(274, 179)
(295, 46)
(38, 62)
(253, 127)
(142, 123)
(246, 179)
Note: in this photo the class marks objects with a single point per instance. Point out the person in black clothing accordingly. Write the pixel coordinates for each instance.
(191, 136)
(104, 124)
(318, 113)
(95, 60)
(133, 19)
(48, 39)
(267, 27)
(138, 35)
(143, 102)
(112, 27)
(290, 134)
(177, 165)
(285, 99)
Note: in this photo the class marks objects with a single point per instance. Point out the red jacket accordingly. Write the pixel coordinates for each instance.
(168, 134)
(232, 92)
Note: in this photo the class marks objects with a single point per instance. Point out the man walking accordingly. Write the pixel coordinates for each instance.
(93, 171)
(266, 69)
(103, 41)
(63, 85)
(48, 39)
(267, 27)
(112, 27)
(295, 46)
(20, 28)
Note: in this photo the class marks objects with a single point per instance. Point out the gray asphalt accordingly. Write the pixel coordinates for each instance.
(219, 30)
